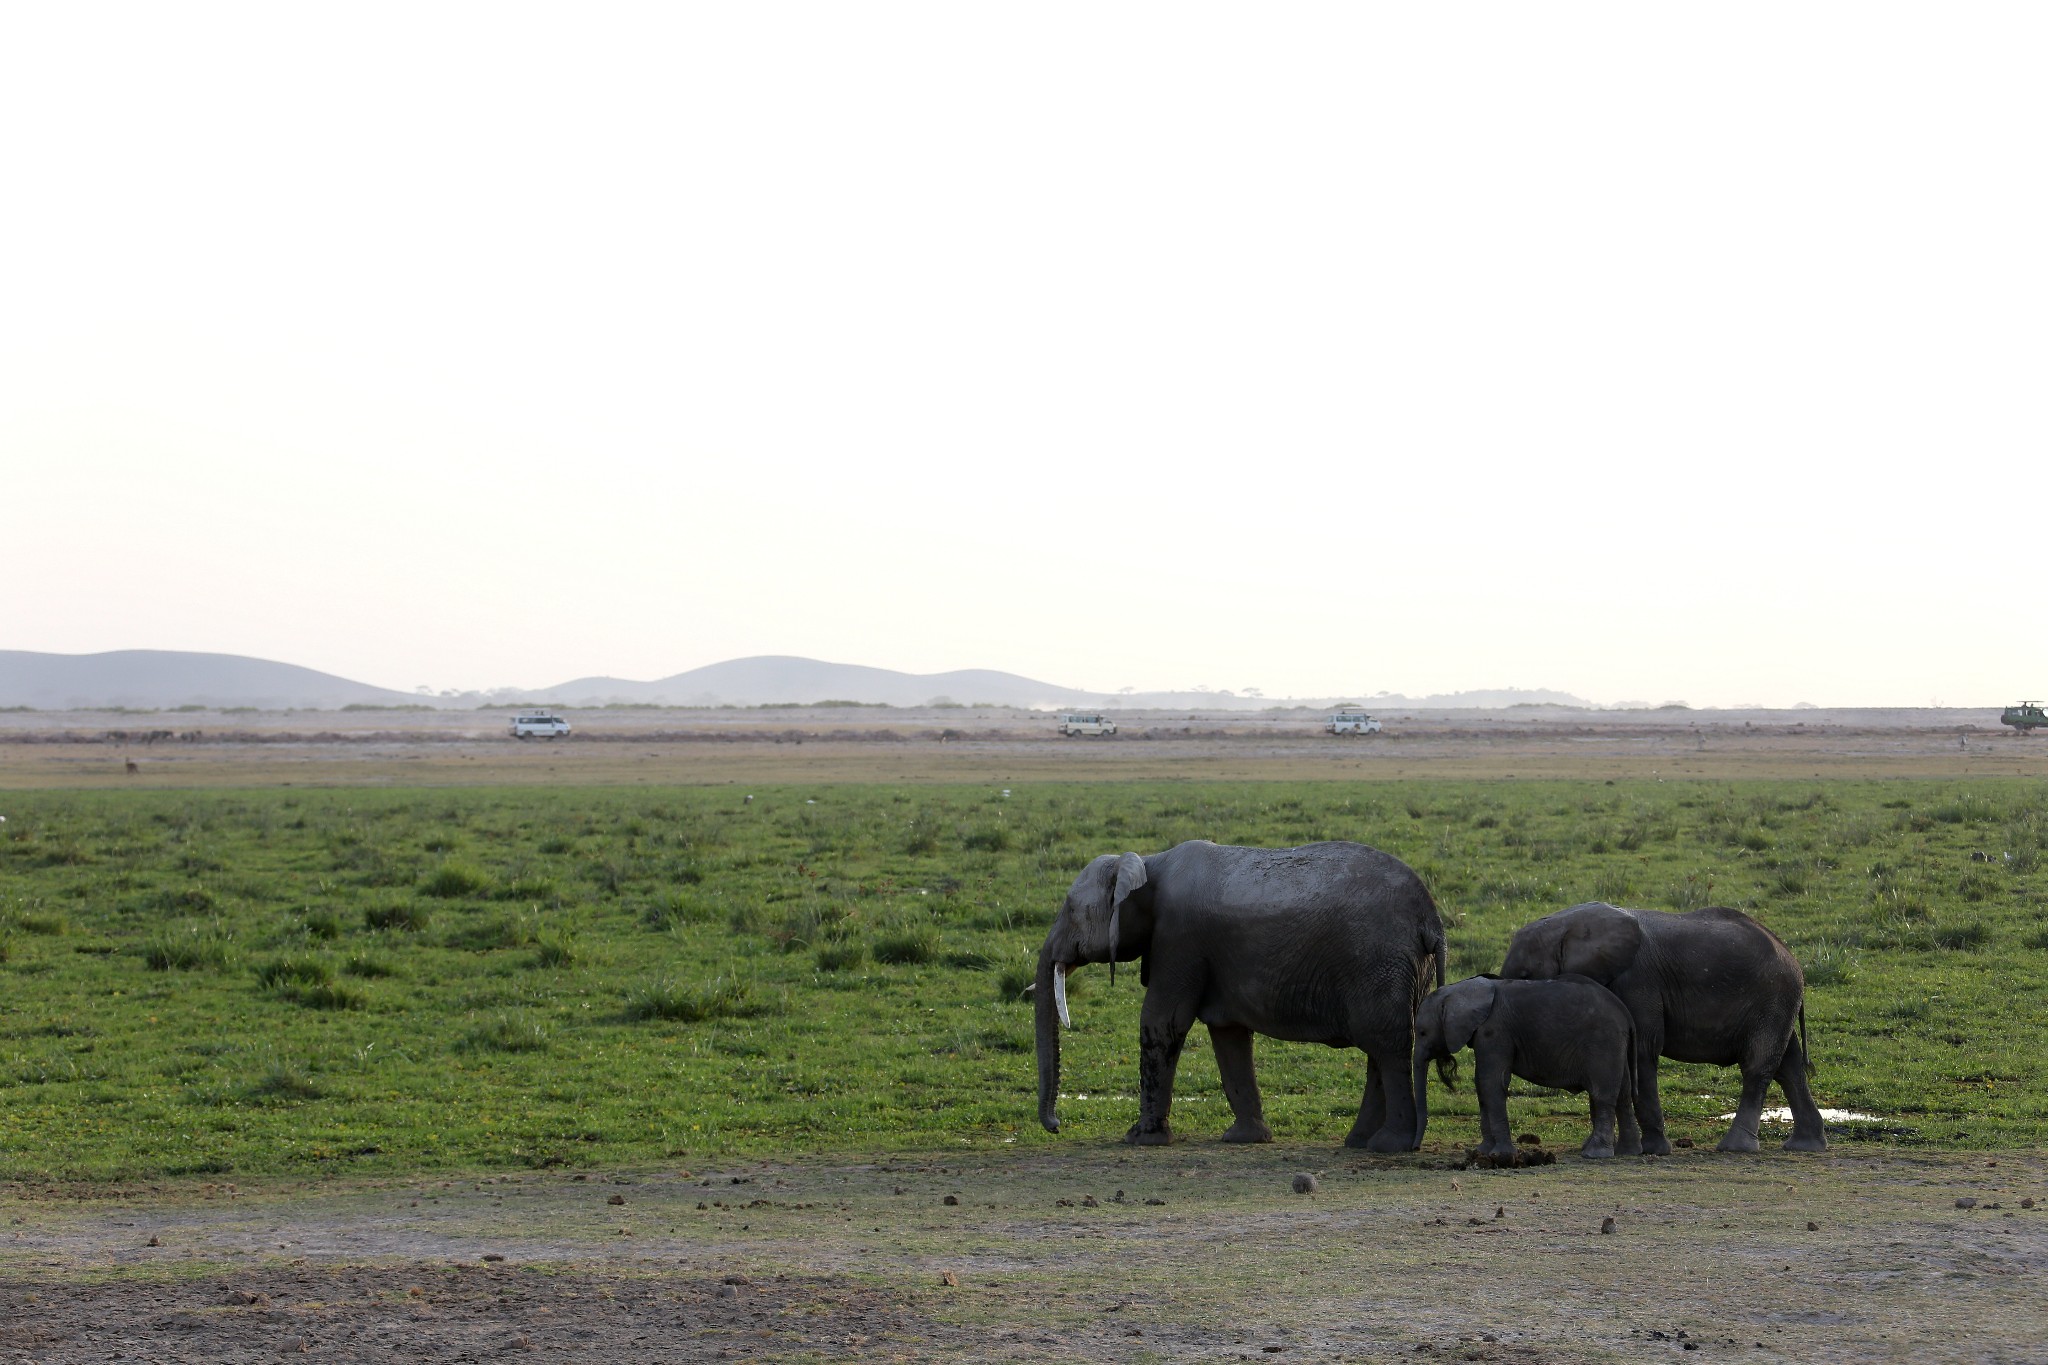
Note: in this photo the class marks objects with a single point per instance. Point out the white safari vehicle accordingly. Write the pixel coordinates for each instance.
(1352, 723)
(1087, 723)
(539, 725)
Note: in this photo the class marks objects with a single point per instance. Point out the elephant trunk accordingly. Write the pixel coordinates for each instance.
(1421, 1096)
(1051, 980)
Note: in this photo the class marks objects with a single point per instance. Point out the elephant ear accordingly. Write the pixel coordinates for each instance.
(1599, 941)
(1466, 1006)
(1130, 875)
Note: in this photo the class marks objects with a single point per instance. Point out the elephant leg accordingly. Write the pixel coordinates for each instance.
(1233, 1044)
(1386, 1112)
(1807, 1133)
(1742, 1133)
(1490, 1078)
(1601, 1141)
(1630, 1141)
(1160, 1035)
(1649, 1109)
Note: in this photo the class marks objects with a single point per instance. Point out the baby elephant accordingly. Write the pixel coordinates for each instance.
(1567, 1032)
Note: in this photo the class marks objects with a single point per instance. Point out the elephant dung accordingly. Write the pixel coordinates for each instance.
(1304, 1183)
(1521, 1156)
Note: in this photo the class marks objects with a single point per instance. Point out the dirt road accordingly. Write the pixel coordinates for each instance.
(634, 747)
(1197, 1252)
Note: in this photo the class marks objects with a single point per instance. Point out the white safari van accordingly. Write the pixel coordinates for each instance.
(1087, 723)
(539, 725)
(1352, 723)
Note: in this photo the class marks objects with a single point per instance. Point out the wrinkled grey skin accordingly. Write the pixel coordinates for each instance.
(1709, 985)
(1568, 1034)
(1332, 943)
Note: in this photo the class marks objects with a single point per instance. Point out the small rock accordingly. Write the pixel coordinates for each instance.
(1813, 1227)
(2027, 1203)
(951, 1201)
(736, 1279)
(249, 1298)
(949, 1279)
(616, 1199)
(297, 1346)
(1304, 1183)
(726, 1291)
(1607, 1225)
(1966, 1203)
(154, 1241)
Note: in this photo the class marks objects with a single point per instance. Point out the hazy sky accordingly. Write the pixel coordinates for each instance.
(1648, 352)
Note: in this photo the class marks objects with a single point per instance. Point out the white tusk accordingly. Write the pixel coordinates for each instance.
(1059, 994)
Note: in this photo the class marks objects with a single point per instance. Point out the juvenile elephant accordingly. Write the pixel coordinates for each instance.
(1330, 943)
(1708, 985)
(1569, 1034)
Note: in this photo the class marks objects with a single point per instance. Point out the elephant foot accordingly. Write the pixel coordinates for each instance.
(1796, 1143)
(1597, 1151)
(1628, 1149)
(1737, 1141)
(1503, 1152)
(1385, 1140)
(1656, 1146)
(1141, 1136)
(1248, 1130)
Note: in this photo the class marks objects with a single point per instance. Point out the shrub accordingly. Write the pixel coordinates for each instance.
(1694, 893)
(908, 947)
(332, 995)
(1015, 980)
(408, 915)
(554, 951)
(674, 1001)
(993, 839)
(323, 925)
(530, 887)
(843, 956)
(1963, 937)
(1830, 964)
(489, 932)
(191, 948)
(505, 1033)
(368, 965)
(452, 881)
(286, 1081)
(922, 835)
(283, 972)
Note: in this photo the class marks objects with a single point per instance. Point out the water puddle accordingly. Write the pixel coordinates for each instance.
(1784, 1115)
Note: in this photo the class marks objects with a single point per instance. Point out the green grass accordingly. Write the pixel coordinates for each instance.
(300, 982)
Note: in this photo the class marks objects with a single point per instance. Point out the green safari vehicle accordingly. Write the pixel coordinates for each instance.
(2025, 716)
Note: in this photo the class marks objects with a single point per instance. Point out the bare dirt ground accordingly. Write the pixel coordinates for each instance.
(84, 749)
(1095, 1253)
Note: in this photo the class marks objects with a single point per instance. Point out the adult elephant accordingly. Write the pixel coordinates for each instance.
(1330, 943)
(1708, 985)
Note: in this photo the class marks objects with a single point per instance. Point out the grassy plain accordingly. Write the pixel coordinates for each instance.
(212, 982)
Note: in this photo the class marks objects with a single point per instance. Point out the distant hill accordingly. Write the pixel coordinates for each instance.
(163, 678)
(770, 679)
